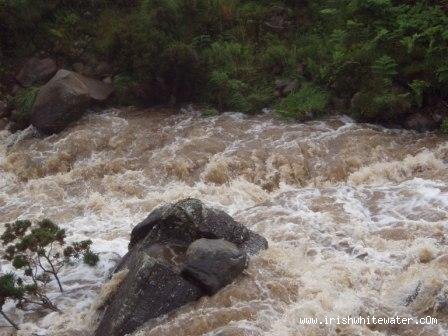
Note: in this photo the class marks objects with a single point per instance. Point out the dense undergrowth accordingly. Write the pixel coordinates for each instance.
(374, 59)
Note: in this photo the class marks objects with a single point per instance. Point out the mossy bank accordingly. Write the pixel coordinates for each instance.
(377, 60)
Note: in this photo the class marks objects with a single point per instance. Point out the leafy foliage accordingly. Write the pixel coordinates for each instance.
(304, 103)
(228, 53)
(39, 252)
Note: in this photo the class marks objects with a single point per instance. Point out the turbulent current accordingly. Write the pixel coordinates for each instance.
(356, 216)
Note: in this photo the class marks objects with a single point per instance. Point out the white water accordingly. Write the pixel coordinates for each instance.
(356, 215)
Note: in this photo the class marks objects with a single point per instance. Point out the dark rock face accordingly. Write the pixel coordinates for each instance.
(151, 289)
(189, 220)
(179, 253)
(213, 264)
(36, 71)
(64, 99)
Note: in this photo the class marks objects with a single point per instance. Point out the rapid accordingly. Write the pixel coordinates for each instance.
(356, 216)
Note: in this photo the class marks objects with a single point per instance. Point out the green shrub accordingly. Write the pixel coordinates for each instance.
(276, 59)
(308, 101)
(228, 53)
(90, 258)
(380, 106)
(180, 70)
(24, 99)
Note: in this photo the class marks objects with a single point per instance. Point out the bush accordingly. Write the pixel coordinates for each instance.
(275, 59)
(307, 102)
(228, 53)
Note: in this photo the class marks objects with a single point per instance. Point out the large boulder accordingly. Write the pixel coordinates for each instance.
(64, 99)
(36, 71)
(189, 220)
(179, 253)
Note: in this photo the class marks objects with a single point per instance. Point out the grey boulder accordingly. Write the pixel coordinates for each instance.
(189, 220)
(151, 289)
(179, 253)
(64, 99)
(213, 264)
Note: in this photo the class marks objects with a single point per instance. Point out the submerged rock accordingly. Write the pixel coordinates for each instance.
(179, 253)
(64, 99)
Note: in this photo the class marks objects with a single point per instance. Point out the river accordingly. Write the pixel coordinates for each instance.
(356, 215)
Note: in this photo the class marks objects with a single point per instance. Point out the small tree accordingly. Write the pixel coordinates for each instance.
(39, 251)
(9, 290)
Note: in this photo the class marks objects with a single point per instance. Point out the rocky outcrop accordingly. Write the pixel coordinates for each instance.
(64, 99)
(36, 71)
(179, 253)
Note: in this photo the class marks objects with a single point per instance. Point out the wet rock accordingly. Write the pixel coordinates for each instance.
(213, 264)
(20, 120)
(189, 220)
(64, 99)
(151, 289)
(36, 71)
(421, 123)
(179, 253)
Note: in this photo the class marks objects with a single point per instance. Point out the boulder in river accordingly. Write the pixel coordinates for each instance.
(36, 71)
(179, 253)
(64, 99)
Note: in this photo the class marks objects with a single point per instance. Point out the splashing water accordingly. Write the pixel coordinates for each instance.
(356, 215)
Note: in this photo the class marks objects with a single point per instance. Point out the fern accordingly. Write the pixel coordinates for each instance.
(303, 103)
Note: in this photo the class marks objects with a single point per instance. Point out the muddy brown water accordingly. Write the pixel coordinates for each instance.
(356, 215)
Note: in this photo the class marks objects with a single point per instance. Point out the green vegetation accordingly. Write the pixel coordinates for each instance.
(23, 102)
(377, 60)
(306, 103)
(37, 252)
